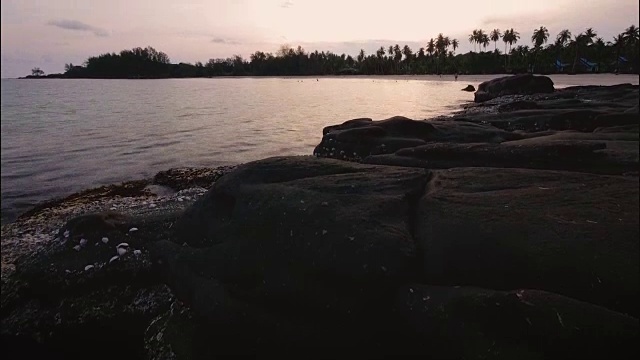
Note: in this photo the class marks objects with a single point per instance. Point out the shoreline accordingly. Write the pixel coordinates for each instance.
(389, 77)
(543, 183)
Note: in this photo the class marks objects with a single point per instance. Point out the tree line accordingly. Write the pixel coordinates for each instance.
(567, 53)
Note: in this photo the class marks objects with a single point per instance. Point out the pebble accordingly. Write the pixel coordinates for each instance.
(88, 267)
(114, 258)
(137, 252)
(122, 251)
(77, 248)
(83, 242)
(133, 229)
(105, 240)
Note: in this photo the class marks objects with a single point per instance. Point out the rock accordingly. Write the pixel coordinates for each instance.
(262, 235)
(67, 304)
(568, 233)
(510, 85)
(469, 88)
(184, 178)
(357, 140)
(549, 152)
(465, 322)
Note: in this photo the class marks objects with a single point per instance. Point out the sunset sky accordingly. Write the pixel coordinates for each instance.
(50, 33)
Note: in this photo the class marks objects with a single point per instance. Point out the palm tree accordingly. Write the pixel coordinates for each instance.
(361, 56)
(539, 37)
(619, 42)
(563, 37)
(578, 42)
(380, 56)
(480, 38)
(408, 56)
(472, 38)
(495, 36)
(632, 35)
(510, 37)
(454, 45)
(485, 41)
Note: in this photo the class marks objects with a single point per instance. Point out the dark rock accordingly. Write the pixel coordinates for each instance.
(319, 241)
(512, 85)
(469, 88)
(547, 152)
(75, 294)
(469, 323)
(357, 140)
(184, 178)
(569, 233)
(518, 105)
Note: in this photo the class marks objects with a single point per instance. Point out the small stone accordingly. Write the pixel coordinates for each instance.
(324, 232)
(152, 205)
(324, 203)
(133, 229)
(137, 252)
(301, 201)
(77, 248)
(66, 234)
(105, 240)
(88, 267)
(83, 242)
(122, 251)
(122, 245)
(114, 258)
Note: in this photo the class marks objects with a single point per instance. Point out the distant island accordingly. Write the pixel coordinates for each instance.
(582, 53)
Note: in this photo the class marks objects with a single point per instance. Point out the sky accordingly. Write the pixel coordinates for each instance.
(50, 33)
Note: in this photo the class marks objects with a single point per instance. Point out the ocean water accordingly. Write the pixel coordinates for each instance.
(62, 136)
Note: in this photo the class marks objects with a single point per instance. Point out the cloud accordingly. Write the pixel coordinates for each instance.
(287, 4)
(78, 26)
(225, 41)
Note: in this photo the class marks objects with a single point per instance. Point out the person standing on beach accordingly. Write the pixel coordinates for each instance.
(456, 76)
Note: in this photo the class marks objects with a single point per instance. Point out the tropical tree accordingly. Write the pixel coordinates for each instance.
(484, 40)
(510, 37)
(37, 72)
(539, 37)
(563, 37)
(361, 56)
(495, 36)
(454, 45)
(472, 38)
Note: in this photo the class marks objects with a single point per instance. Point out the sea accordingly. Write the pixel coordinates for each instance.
(60, 136)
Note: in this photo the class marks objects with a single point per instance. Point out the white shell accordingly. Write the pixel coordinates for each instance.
(66, 233)
(88, 267)
(105, 239)
(137, 252)
(122, 245)
(133, 229)
(76, 248)
(83, 242)
(113, 259)
(122, 251)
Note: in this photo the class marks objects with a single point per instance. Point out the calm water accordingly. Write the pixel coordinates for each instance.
(61, 136)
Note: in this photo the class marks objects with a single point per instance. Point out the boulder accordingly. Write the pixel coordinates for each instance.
(464, 322)
(569, 233)
(513, 85)
(469, 88)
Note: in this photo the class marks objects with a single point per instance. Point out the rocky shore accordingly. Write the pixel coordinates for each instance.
(507, 230)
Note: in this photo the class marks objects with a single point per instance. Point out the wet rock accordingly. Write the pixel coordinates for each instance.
(469, 88)
(510, 85)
